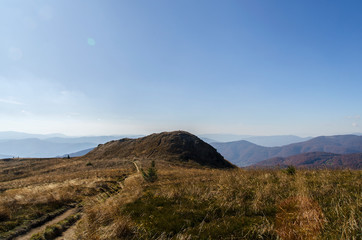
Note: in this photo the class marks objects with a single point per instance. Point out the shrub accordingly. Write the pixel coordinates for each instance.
(37, 236)
(290, 170)
(151, 175)
(53, 231)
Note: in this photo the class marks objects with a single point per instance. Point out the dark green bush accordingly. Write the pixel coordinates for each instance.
(151, 174)
(52, 231)
(37, 236)
(290, 170)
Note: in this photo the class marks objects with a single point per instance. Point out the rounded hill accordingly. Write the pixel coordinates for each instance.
(177, 146)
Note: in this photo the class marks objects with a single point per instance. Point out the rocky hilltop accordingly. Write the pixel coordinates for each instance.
(177, 146)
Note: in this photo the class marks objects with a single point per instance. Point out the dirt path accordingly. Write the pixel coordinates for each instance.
(66, 214)
(137, 168)
(69, 233)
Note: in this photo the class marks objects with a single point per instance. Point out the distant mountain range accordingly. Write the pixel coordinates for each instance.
(5, 156)
(241, 153)
(20, 135)
(219, 137)
(34, 147)
(275, 141)
(244, 153)
(316, 160)
(20, 144)
(265, 141)
(17, 144)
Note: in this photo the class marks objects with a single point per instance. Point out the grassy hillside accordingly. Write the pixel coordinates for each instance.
(183, 203)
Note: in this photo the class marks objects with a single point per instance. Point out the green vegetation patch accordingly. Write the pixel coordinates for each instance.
(158, 215)
(25, 214)
(56, 230)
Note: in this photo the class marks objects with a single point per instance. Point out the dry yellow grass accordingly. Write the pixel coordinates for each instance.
(189, 203)
(237, 204)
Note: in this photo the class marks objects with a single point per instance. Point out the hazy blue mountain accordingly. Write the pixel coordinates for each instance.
(49, 145)
(5, 156)
(33, 147)
(61, 138)
(91, 139)
(207, 140)
(244, 153)
(275, 141)
(266, 141)
(224, 137)
(20, 135)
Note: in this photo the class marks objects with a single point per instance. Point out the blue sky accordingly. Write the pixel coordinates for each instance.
(120, 67)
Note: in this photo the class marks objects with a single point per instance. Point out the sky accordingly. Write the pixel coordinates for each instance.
(102, 67)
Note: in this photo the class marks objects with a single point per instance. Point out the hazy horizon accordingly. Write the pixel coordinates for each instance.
(262, 68)
(206, 134)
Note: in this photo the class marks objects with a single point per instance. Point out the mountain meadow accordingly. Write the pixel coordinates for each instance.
(173, 185)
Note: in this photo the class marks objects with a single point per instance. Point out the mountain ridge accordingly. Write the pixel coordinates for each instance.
(243, 153)
(315, 160)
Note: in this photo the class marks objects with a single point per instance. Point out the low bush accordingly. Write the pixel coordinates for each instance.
(290, 170)
(151, 174)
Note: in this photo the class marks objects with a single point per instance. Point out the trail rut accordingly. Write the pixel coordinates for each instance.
(66, 214)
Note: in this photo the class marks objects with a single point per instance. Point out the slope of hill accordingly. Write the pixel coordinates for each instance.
(243, 153)
(316, 160)
(79, 153)
(178, 146)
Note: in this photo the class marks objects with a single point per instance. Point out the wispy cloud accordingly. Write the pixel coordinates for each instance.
(353, 117)
(10, 101)
(41, 96)
(354, 120)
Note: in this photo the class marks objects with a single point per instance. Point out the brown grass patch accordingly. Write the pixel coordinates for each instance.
(299, 218)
